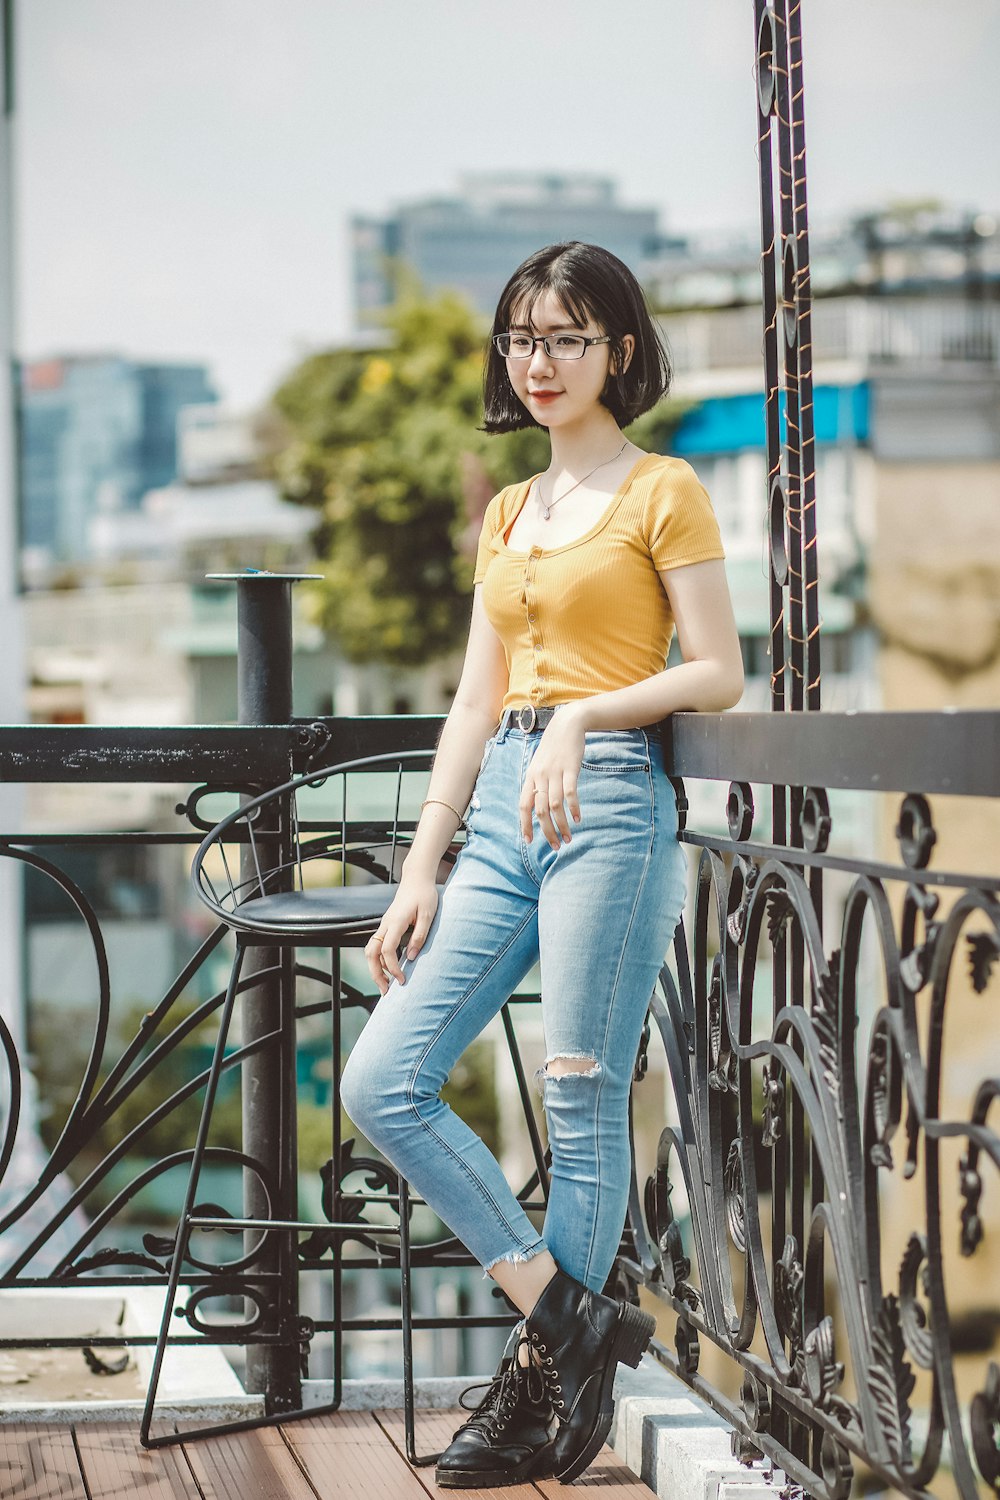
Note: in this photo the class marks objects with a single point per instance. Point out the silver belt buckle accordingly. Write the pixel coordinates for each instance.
(527, 708)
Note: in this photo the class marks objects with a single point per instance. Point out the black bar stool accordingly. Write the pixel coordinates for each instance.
(258, 871)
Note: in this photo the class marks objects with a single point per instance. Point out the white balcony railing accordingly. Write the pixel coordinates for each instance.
(866, 329)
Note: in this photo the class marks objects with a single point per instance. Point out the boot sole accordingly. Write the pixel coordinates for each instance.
(635, 1330)
(537, 1466)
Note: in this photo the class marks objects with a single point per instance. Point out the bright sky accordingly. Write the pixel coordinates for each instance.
(187, 170)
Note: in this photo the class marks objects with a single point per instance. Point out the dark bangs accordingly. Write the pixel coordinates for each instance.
(591, 284)
(512, 313)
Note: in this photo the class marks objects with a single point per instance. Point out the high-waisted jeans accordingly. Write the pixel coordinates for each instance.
(599, 914)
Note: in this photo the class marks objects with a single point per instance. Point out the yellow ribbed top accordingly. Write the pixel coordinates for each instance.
(592, 615)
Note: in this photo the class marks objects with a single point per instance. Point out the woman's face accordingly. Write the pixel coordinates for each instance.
(560, 392)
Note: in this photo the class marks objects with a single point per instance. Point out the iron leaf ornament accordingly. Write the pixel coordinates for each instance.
(892, 1381)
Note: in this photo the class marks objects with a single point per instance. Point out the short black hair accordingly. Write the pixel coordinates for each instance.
(591, 283)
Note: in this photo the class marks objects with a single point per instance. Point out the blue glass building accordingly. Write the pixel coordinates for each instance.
(97, 432)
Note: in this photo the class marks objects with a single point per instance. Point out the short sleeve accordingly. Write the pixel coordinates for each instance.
(491, 524)
(680, 521)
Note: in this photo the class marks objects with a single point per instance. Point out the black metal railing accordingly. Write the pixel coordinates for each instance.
(833, 1154)
(834, 1159)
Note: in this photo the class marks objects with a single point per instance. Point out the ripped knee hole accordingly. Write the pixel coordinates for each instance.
(568, 1067)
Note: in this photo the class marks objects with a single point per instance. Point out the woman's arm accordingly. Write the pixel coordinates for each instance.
(710, 678)
(471, 720)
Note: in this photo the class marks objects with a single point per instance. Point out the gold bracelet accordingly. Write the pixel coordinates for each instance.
(439, 802)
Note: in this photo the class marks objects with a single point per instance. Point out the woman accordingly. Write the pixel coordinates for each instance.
(571, 856)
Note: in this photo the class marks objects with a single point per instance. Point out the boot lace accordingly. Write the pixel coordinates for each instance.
(494, 1411)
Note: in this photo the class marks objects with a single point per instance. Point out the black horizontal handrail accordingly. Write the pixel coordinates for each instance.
(954, 752)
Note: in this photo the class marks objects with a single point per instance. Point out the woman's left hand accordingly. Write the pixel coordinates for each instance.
(549, 791)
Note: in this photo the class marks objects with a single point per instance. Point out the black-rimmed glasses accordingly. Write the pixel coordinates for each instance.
(556, 345)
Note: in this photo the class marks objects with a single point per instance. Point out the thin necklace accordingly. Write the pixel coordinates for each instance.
(548, 509)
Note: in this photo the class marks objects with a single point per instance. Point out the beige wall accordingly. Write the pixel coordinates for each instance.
(935, 583)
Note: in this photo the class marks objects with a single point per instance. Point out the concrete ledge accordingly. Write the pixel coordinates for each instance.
(677, 1444)
(196, 1383)
(198, 1409)
(435, 1393)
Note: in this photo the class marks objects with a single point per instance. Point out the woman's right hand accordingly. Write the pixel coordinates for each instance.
(413, 907)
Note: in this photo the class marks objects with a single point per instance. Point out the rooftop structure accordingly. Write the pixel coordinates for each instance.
(895, 251)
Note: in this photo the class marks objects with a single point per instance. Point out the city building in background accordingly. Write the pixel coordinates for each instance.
(907, 425)
(221, 513)
(472, 242)
(97, 433)
(900, 250)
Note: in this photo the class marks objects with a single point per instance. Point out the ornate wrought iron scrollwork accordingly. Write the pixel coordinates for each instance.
(971, 1185)
(774, 1102)
(688, 1346)
(984, 950)
(348, 1208)
(789, 1276)
(917, 957)
(642, 1056)
(821, 1372)
(985, 1421)
(884, 1096)
(814, 819)
(740, 810)
(805, 1114)
(912, 1314)
(214, 1328)
(915, 831)
(825, 1018)
(892, 1381)
(756, 1403)
(736, 920)
(836, 1468)
(735, 1200)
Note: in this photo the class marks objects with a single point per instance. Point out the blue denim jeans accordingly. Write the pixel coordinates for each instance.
(598, 914)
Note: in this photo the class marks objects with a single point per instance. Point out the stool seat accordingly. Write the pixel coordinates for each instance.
(321, 907)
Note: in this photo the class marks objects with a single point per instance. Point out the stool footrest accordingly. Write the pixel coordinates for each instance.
(198, 1222)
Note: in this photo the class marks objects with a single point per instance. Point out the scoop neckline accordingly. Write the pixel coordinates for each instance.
(598, 525)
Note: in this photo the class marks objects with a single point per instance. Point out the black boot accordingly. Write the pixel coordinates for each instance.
(580, 1337)
(508, 1438)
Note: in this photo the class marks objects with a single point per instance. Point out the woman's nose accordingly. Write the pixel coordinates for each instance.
(539, 357)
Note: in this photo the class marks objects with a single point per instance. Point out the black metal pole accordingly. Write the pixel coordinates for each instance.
(264, 676)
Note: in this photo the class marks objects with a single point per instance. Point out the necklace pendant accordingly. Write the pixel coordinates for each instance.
(545, 512)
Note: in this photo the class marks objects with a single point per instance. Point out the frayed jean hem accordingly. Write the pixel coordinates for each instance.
(515, 1257)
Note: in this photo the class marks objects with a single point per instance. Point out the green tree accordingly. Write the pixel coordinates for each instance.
(386, 446)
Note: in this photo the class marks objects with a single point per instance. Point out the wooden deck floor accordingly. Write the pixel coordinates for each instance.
(348, 1454)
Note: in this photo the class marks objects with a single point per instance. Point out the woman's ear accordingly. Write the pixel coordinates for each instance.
(628, 349)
